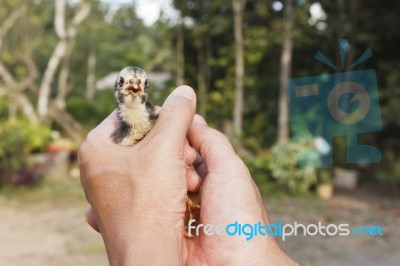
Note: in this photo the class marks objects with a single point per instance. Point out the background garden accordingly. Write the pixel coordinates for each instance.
(59, 59)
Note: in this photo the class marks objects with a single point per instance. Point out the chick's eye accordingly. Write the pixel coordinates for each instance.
(121, 81)
(146, 84)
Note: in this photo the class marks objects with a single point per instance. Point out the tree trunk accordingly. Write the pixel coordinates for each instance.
(63, 87)
(238, 6)
(48, 77)
(202, 81)
(27, 108)
(66, 40)
(72, 128)
(285, 72)
(180, 54)
(91, 77)
(19, 100)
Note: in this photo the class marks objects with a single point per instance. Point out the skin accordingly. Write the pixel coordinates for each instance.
(138, 194)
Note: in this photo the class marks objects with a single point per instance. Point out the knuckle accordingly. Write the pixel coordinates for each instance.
(82, 149)
(90, 136)
(85, 148)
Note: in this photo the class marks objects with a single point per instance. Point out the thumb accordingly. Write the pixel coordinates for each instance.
(176, 115)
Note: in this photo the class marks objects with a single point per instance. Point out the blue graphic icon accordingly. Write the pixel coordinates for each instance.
(339, 104)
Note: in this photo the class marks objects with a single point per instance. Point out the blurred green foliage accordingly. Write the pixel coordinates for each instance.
(284, 164)
(278, 170)
(261, 173)
(19, 137)
(91, 113)
(325, 176)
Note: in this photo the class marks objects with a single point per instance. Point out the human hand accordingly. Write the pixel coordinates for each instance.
(228, 195)
(138, 193)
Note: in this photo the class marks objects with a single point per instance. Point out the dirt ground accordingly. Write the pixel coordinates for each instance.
(46, 227)
(366, 206)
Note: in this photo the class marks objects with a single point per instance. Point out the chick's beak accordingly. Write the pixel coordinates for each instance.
(133, 89)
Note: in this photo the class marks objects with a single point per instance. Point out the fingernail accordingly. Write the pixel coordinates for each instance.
(184, 91)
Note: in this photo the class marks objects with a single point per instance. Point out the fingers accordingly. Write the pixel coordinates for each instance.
(91, 220)
(202, 171)
(190, 153)
(198, 161)
(199, 165)
(193, 179)
(213, 146)
(176, 115)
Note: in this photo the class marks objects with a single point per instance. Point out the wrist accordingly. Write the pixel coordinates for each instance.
(134, 231)
(274, 256)
(142, 243)
(143, 248)
(265, 251)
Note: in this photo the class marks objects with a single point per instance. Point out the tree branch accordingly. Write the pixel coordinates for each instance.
(81, 14)
(63, 87)
(7, 77)
(30, 64)
(26, 106)
(90, 79)
(60, 51)
(59, 18)
(69, 124)
(238, 6)
(10, 21)
(48, 77)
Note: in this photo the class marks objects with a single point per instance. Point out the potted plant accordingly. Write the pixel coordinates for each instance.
(325, 185)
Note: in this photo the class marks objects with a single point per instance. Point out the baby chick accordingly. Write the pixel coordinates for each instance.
(136, 115)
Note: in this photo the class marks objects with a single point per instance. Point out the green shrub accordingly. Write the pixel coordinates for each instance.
(19, 137)
(259, 169)
(284, 166)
